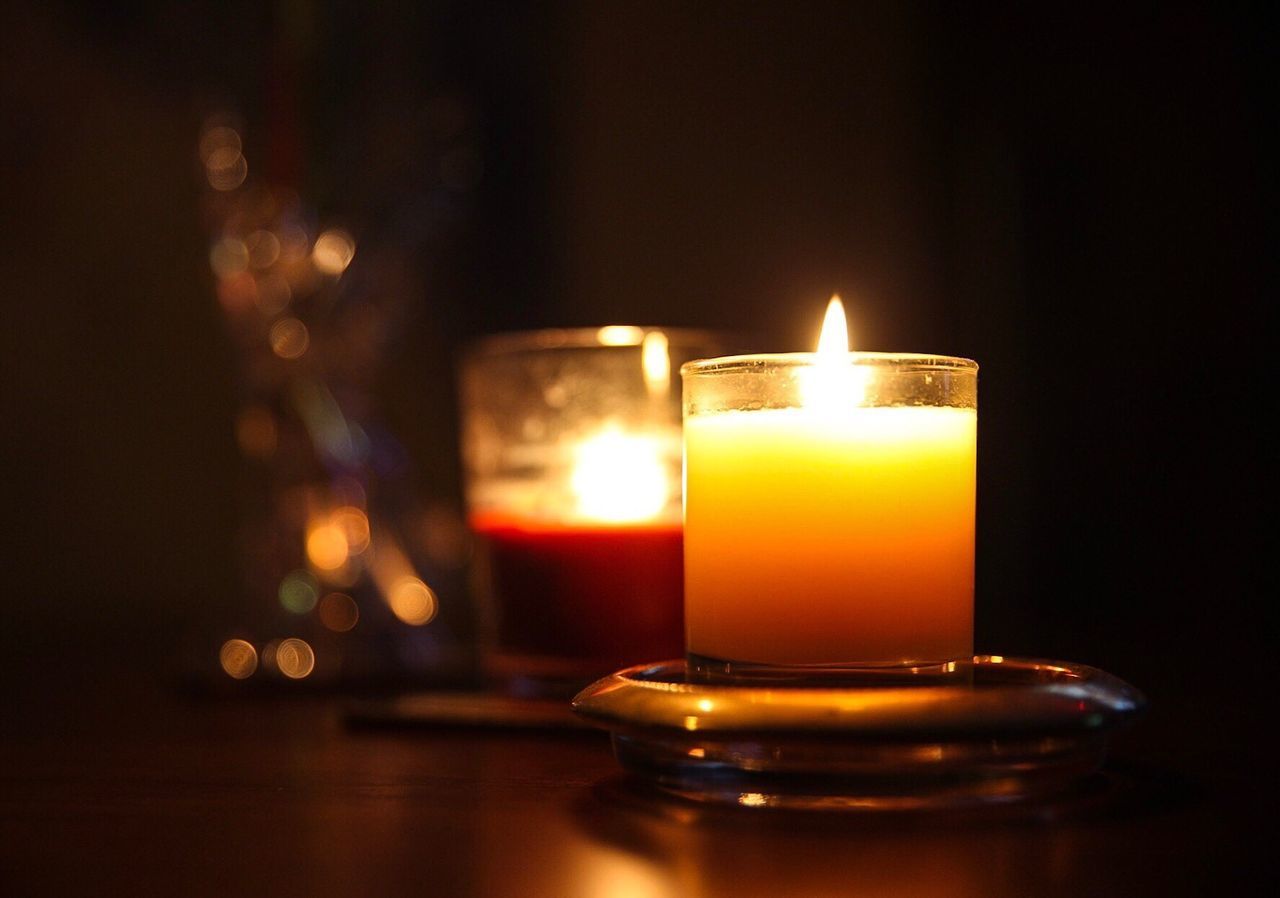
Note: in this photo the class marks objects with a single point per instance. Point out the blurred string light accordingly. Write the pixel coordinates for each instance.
(289, 338)
(408, 597)
(333, 251)
(226, 169)
(295, 658)
(262, 249)
(221, 151)
(339, 612)
(298, 592)
(228, 257)
(327, 547)
(413, 601)
(335, 541)
(309, 341)
(239, 659)
(354, 525)
(218, 138)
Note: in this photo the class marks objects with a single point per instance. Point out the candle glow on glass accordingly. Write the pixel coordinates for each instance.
(655, 361)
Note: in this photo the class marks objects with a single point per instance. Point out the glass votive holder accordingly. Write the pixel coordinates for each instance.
(572, 456)
(829, 513)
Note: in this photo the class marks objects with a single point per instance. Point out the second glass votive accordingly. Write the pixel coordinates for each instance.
(572, 450)
(829, 512)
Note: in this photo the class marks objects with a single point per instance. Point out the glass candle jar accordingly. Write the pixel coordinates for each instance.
(829, 511)
(572, 451)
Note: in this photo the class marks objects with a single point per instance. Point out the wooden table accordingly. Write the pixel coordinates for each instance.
(132, 791)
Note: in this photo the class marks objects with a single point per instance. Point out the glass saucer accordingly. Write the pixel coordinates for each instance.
(1001, 730)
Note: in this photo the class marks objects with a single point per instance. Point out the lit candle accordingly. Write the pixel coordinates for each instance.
(829, 506)
(573, 451)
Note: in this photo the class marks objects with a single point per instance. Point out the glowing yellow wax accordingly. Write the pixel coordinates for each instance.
(830, 536)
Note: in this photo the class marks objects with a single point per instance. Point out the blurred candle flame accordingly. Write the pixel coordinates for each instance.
(619, 477)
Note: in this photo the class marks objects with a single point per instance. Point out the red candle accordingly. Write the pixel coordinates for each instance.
(571, 441)
(579, 599)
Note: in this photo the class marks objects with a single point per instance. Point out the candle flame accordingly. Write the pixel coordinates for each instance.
(833, 382)
(620, 477)
(834, 339)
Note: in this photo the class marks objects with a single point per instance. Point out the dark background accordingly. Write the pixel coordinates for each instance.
(1076, 199)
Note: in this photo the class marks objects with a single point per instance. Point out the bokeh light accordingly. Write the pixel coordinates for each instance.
(289, 338)
(226, 168)
(295, 245)
(333, 251)
(263, 249)
(239, 659)
(298, 592)
(413, 601)
(295, 658)
(327, 547)
(354, 525)
(219, 137)
(338, 612)
(228, 256)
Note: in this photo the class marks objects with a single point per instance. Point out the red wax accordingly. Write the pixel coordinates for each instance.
(581, 598)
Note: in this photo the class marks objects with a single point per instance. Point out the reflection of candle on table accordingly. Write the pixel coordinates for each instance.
(830, 506)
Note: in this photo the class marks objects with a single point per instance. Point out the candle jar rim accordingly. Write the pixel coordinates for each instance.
(611, 336)
(902, 361)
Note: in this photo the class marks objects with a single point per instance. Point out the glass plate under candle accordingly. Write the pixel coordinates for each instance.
(1010, 730)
